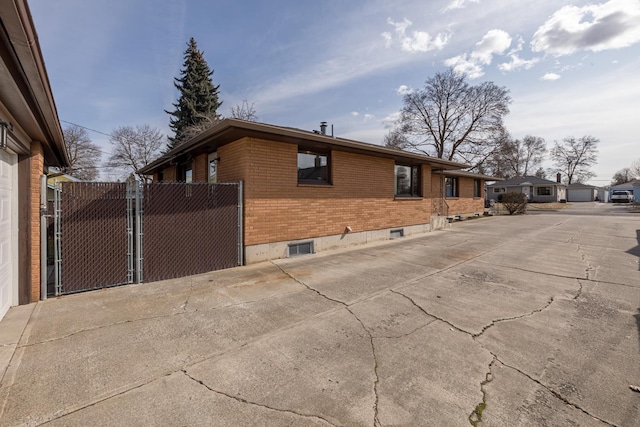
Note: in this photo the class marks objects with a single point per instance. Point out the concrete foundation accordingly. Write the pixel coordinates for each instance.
(278, 250)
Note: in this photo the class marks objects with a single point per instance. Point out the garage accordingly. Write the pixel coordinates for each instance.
(8, 248)
(581, 193)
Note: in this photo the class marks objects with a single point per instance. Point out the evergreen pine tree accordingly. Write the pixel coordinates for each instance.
(198, 101)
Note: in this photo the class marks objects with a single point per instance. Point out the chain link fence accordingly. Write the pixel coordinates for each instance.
(109, 234)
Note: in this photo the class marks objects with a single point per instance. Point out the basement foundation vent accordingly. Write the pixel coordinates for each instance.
(398, 232)
(301, 248)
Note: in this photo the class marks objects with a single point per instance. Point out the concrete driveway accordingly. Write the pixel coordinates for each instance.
(506, 321)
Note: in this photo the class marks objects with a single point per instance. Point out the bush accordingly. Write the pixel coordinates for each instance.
(514, 203)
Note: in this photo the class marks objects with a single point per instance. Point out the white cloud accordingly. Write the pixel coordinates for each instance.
(355, 113)
(368, 117)
(495, 42)
(515, 62)
(459, 4)
(391, 120)
(611, 25)
(550, 77)
(418, 41)
(403, 90)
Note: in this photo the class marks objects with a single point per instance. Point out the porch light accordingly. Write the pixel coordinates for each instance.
(4, 126)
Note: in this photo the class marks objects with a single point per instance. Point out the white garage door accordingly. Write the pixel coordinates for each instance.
(7, 238)
(581, 195)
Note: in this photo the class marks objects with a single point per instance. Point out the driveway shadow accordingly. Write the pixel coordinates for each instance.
(636, 249)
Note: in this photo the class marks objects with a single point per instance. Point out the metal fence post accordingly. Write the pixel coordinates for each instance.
(57, 262)
(43, 237)
(240, 229)
(139, 227)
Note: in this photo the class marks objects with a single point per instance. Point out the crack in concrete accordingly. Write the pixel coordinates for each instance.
(307, 286)
(159, 316)
(583, 258)
(579, 293)
(186, 301)
(376, 421)
(476, 416)
(65, 413)
(504, 319)
(429, 314)
(241, 400)
(555, 393)
(395, 337)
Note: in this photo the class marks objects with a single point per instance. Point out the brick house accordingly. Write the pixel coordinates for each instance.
(308, 191)
(30, 141)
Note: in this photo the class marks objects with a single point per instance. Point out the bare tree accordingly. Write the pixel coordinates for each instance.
(453, 120)
(395, 139)
(244, 111)
(204, 122)
(574, 157)
(635, 168)
(134, 147)
(624, 175)
(515, 157)
(84, 155)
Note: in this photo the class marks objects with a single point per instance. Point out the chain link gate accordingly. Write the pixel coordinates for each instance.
(99, 238)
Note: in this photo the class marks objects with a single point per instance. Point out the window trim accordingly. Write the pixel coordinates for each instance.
(415, 182)
(316, 152)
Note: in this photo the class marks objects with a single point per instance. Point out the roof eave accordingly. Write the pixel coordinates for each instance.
(277, 132)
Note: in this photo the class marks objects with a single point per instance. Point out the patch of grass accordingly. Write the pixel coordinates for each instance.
(547, 206)
(476, 416)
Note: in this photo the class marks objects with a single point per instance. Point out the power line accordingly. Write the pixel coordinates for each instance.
(84, 127)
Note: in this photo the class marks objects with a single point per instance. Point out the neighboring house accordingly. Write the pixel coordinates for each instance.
(321, 191)
(33, 142)
(578, 192)
(536, 189)
(633, 186)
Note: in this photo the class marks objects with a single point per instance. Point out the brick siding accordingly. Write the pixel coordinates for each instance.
(37, 169)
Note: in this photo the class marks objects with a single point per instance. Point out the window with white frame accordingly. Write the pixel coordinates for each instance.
(544, 191)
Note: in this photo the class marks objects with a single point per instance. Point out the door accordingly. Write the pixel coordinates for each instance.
(7, 237)
(527, 192)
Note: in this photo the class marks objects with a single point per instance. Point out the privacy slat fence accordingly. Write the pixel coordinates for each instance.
(109, 234)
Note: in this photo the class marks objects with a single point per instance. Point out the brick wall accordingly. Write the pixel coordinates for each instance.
(277, 208)
(465, 203)
(37, 169)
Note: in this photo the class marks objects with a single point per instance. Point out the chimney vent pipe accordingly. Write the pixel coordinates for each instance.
(323, 128)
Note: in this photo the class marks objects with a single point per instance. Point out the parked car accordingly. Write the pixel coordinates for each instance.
(621, 196)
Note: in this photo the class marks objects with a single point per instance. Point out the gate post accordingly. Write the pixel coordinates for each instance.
(240, 223)
(139, 229)
(43, 237)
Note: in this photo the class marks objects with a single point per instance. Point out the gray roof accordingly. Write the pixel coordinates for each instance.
(634, 183)
(576, 185)
(518, 180)
(471, 175)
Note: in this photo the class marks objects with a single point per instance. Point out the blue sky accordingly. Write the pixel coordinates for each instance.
(572, 68)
